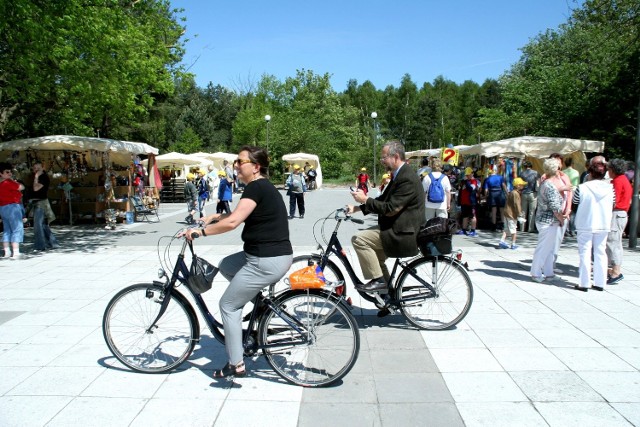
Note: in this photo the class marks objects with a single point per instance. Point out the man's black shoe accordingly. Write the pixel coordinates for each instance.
(384, 312)
(375, 285)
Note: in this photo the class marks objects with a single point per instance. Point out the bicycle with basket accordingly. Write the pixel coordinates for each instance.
(307, 333)
(432, 290)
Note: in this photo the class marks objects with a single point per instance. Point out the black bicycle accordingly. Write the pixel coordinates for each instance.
(309, 336)
(432, 291)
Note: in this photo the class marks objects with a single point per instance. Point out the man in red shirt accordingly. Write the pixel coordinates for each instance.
(623, 192)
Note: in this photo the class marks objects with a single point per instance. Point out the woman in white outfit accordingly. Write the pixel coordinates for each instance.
(549, 220)
(595, 201)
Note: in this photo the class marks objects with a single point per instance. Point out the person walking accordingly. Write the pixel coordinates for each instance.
(363, 181)
(437, 188)
(595, 201)
(574, 178)
(266, 256)
(469, 188)
(42, 213)
(529, 199)
(297, 189)
(191, 197)
(400, 212)
(549, 219)
(225, 194)
(11, 211)
(512, 212)
(203, 191)
(623, 194)
(495, 190)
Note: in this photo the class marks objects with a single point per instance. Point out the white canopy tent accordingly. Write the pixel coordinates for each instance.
(180, 161)
(218, 158)
(537, 148)
(301, 158)
(119, 151)
(534, 146)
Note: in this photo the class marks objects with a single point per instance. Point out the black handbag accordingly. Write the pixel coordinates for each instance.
(201, 275)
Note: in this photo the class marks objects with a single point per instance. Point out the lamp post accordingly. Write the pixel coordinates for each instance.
(374, 116)
(267, 119)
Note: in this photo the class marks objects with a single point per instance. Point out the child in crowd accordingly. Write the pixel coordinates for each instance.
(468, 199)
(224, 194)
(512, 214)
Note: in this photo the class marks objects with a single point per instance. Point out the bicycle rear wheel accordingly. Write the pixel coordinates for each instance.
(325, 345)
(126, 322)
(452, 298)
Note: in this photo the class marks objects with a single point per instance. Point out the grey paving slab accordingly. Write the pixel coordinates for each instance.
(527, 353)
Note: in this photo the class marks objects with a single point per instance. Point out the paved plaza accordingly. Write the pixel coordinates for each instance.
(528, 354)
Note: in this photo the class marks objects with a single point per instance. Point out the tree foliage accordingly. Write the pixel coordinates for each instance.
(580, 81)
(83, 67)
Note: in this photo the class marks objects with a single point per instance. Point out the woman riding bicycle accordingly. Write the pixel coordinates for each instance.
(267, 253)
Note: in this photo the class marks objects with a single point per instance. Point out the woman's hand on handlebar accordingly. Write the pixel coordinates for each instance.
(190, 233)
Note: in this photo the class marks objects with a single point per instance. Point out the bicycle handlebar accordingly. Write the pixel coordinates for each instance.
(347, 217)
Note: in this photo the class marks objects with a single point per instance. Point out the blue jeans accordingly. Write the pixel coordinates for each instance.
(12, 219)
(44, 238)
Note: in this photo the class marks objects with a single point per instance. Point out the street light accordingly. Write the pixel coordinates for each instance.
(374, 116)
(267, 119)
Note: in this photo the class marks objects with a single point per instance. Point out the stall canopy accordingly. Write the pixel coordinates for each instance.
(218, 158)
(180, 161)
(301, 158)
(533, 146)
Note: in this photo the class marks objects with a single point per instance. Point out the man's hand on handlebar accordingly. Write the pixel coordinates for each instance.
(350, 209)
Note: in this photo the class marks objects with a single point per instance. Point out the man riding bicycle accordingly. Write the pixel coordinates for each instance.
(400, 210)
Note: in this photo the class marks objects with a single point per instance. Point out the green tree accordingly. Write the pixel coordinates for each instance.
(83, 68)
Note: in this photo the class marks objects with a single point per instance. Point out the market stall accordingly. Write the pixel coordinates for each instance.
(508, 154)
(301, 159)
(173, 168)
(91, 178)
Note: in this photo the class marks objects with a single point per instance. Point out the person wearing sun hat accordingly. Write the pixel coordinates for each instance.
(362, 181)
(512, 214)
(191, 197)
(225, 194)
(468, 200)
(297, 187)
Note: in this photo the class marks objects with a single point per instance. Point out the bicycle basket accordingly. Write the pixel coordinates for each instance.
(201, 275)
(307, 277)
(435, 238)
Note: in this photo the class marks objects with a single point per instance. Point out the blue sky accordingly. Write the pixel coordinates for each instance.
(237, 41)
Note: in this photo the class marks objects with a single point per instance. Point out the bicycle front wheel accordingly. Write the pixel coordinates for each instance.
(126, 326)
(314, 342)
(443, 305)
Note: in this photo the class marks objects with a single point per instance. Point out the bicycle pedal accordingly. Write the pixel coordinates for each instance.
(380, 301)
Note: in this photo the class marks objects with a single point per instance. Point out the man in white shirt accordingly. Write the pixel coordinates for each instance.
(436, 208)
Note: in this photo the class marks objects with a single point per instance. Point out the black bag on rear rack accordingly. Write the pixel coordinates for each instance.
(435, 237)
(201, 275)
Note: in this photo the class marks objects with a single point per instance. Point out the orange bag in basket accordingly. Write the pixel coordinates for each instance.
(308, 277)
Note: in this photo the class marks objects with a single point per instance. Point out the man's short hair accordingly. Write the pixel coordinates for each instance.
(568, 162)
(395, 147)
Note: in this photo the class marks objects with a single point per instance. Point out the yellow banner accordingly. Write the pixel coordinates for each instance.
(450, 155)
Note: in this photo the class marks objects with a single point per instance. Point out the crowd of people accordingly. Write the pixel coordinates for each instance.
(20, 201)
(592, 207)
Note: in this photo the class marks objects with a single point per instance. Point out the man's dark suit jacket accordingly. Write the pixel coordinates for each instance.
(400, 210)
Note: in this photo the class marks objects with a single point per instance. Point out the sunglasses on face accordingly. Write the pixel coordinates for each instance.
(240, 162)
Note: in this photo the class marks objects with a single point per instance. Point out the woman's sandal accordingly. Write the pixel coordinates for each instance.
(230, 370)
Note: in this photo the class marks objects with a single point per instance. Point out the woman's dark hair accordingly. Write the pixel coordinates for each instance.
(5, 167)
(618, 166)
(259, 156)
(527, 164)
(597, 170)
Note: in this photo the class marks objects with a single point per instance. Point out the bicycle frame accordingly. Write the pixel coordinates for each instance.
(181, 273)
(335, 247)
